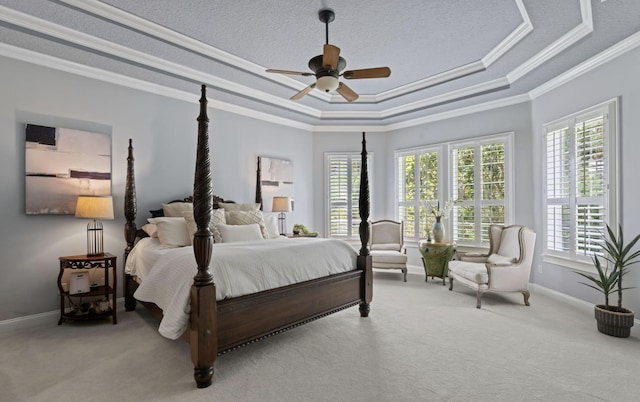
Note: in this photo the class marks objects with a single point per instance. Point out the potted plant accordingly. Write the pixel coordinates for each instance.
(614, 320)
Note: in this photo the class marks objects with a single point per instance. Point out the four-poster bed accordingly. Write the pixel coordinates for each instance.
(217, 326)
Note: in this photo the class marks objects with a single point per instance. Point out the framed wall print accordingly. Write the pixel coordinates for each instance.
(276, 180)
(61, 164)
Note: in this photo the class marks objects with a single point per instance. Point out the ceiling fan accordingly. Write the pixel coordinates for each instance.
(327, 66)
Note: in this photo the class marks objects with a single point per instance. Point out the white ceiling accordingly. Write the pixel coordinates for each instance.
(444, 55)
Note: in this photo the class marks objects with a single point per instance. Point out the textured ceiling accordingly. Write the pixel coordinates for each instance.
(444, 55)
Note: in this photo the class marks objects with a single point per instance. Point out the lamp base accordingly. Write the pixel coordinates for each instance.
(94, 239)
(282, 223)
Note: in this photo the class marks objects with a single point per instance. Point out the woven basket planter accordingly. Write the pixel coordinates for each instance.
(614, 321)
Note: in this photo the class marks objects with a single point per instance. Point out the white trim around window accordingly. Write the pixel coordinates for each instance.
(580, 182)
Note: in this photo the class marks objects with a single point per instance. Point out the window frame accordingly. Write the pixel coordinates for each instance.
(445, 179)
(327, 191)
(609, 109)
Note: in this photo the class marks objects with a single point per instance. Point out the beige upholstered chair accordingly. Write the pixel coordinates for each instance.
(387, 246)
(505, 268)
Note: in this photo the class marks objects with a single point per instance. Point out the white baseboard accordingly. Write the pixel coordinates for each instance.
(40, 319)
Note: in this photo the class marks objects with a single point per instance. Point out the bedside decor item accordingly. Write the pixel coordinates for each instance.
(282, 205)
(613, 320)
(74, 304)
(439, 214)
(94, 208)
(274, 179)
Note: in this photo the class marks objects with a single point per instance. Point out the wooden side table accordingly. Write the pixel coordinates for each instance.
(435, 258)
(102, 297)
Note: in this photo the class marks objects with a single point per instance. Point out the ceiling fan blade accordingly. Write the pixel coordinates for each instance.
(347, 92)
(330, 56)
(303, 92)
(378, 72)
(288, 72)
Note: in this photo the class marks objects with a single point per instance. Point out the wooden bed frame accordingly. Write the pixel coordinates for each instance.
(216, 327)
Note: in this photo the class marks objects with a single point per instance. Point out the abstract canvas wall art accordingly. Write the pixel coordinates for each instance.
(61, 164)
(276, 180)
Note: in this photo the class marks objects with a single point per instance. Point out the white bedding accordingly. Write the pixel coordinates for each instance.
(238, 269)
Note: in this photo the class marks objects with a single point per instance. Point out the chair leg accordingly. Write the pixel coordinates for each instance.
(451, 283)
(404, 272)
(526, 295)
(478, 296)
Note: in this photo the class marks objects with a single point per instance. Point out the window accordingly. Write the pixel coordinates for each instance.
(418, 186)
(580, 196)
(474, 174)
(480, 188)
(343, 188)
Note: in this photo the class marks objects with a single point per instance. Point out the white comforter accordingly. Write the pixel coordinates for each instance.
(239, 269)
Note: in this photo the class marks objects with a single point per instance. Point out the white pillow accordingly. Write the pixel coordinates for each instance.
(217, 218)
(236, 233)
(232, 206)
(151, 229)
(271, 224)
(246, 218)
(177, 208)
(172, 231)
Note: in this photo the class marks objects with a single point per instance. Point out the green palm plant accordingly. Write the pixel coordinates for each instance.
(605, 282)
(620, 255)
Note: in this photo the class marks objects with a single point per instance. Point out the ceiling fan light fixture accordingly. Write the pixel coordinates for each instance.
(327, 83)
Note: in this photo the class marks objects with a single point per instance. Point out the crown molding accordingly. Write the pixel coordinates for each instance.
(620, 48)
(124, 18)
(562, 43)
(82, 70)
(87, 41)
(46, 28)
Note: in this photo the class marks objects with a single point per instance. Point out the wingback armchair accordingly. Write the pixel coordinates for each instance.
(387, 246)
(505, 268)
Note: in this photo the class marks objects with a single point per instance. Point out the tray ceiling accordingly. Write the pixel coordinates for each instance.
(444, 55)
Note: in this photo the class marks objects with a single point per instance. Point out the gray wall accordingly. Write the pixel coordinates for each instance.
(515, 118)
(618, 78)
(164, 133)
(164, 136)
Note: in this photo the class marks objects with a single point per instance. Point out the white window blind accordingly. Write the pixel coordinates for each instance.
(343, 188)
(480, 188)
(417, 187)
(474, 174)
(580, 179)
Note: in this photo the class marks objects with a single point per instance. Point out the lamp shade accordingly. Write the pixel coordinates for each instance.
(281, 204)
(94, 207)
(327, 83)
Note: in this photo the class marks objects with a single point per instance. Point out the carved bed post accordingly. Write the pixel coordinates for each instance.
(130, 210)
(364, 258)
(259, 183)
(203, 322)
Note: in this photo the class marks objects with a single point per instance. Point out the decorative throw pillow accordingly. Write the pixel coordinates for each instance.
(236, 233)
(151, 229)
(172, 231)
(232, 206)
(247, 218)
(271, 224)
(177, 208)
(217, 218)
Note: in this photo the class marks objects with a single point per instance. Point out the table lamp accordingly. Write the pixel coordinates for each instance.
(282, 205)
(94, 207)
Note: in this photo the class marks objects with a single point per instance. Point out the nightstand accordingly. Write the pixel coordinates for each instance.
(435, 258)
(100, 299)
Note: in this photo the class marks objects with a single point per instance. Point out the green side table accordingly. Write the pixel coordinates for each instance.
(435, 258)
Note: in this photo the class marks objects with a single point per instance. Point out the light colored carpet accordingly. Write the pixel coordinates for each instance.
(420, 343)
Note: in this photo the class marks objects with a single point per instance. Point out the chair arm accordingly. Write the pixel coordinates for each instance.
(471, 257)
(403, 249)
(508, 276)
